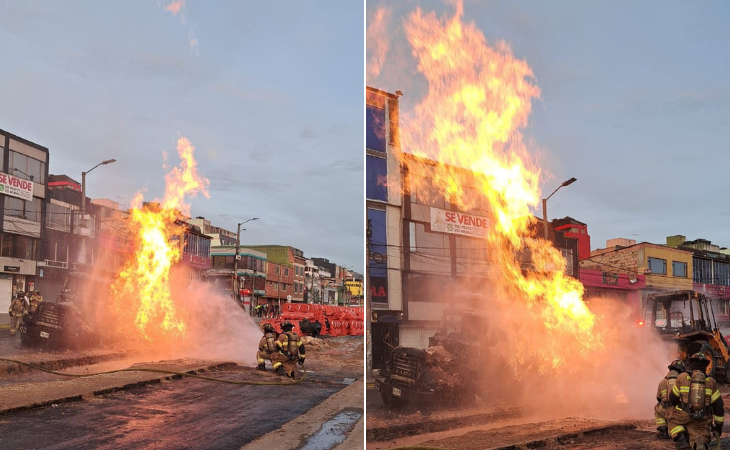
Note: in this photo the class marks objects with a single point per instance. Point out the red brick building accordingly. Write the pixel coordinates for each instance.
(284, 273)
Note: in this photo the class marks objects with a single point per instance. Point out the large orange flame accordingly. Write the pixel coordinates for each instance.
(142, 289)
(377, 42)
(469, 123)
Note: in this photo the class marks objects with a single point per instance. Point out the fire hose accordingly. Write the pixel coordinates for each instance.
(164, 371)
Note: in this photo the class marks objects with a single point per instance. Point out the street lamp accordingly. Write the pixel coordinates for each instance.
(83, 187)
(235, 259)
(544, 204)
(18, 170)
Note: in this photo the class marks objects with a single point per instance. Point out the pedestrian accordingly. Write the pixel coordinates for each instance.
(290, 351)
(662, 397)
(698, 407)
(17, 306)
(267, 346)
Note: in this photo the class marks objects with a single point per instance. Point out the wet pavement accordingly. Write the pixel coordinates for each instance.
(334, 431)
(182, 414)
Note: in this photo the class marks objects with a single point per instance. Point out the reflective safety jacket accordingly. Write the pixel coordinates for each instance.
(267, 344)
(291, 345)
(665, 387)
(16, 307)
(35, 300)
(679, 397)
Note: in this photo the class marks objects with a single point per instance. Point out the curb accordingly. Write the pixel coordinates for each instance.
(433, 425)
(101, 392)
(12, 369)
(564, 439)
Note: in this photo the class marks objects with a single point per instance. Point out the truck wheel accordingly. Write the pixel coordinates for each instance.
(25, 340)
(389, 400)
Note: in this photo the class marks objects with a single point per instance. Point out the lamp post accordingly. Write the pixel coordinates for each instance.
(83, 187)
(235, 259)
(544, 205)
(30, 177)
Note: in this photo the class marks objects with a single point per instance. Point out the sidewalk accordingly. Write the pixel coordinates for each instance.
(322, 427)
(28, 395)
(51, 359)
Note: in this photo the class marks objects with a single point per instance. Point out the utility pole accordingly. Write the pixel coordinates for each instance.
(235, 264)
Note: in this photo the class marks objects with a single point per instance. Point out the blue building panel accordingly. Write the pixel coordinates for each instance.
(375, 129)
(376, 178)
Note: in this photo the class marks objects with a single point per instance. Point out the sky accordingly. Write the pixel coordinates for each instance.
(635, 104)
(270, 96)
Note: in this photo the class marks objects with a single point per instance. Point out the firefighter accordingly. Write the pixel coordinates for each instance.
(17, 306)
(267, 346)
(290, 351)
(34, 301)
(662, 397)
(698, 407)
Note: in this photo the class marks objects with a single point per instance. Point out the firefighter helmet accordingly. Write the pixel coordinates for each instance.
(699, 361)
(37, 292)
(268, 327)
(677, 365)
(286, 324)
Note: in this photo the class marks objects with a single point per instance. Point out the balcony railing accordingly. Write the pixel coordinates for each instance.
(58, 264)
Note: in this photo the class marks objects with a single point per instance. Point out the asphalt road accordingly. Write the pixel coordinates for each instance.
(182, 414)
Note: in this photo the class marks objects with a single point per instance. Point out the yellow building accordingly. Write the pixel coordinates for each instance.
(665, 268)
(354, 287)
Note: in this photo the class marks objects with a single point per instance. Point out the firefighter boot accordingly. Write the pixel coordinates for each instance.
(263, 367)
(280, 371)
(681, 441)
(662, 432)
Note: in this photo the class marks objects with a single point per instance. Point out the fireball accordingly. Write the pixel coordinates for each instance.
(142, 290)
(470, 124)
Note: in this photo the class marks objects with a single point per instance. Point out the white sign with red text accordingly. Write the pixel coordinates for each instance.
(16, 187)
(453, 222)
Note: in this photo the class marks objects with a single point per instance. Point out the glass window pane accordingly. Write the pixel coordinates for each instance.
(376, 178)
(34, 170)
(13, 207)
(375, 128)
(33, 210)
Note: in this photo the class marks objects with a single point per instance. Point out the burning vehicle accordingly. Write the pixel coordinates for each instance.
(448, 371)
(686, 317)
(65, 322)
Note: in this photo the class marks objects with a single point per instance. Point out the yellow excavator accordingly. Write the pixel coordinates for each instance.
(686, 317)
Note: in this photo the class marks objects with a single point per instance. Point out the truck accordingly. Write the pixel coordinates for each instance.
(64, 323)
(686, 318)
(449, 371)
(57, 325)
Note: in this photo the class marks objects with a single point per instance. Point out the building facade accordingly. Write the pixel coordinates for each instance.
(664, 268)
(195, 256)
(23, 183)
(710, 272)
(384, 219)
(251, 273)
(70, 242)
(282, 263)
(219, 236)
